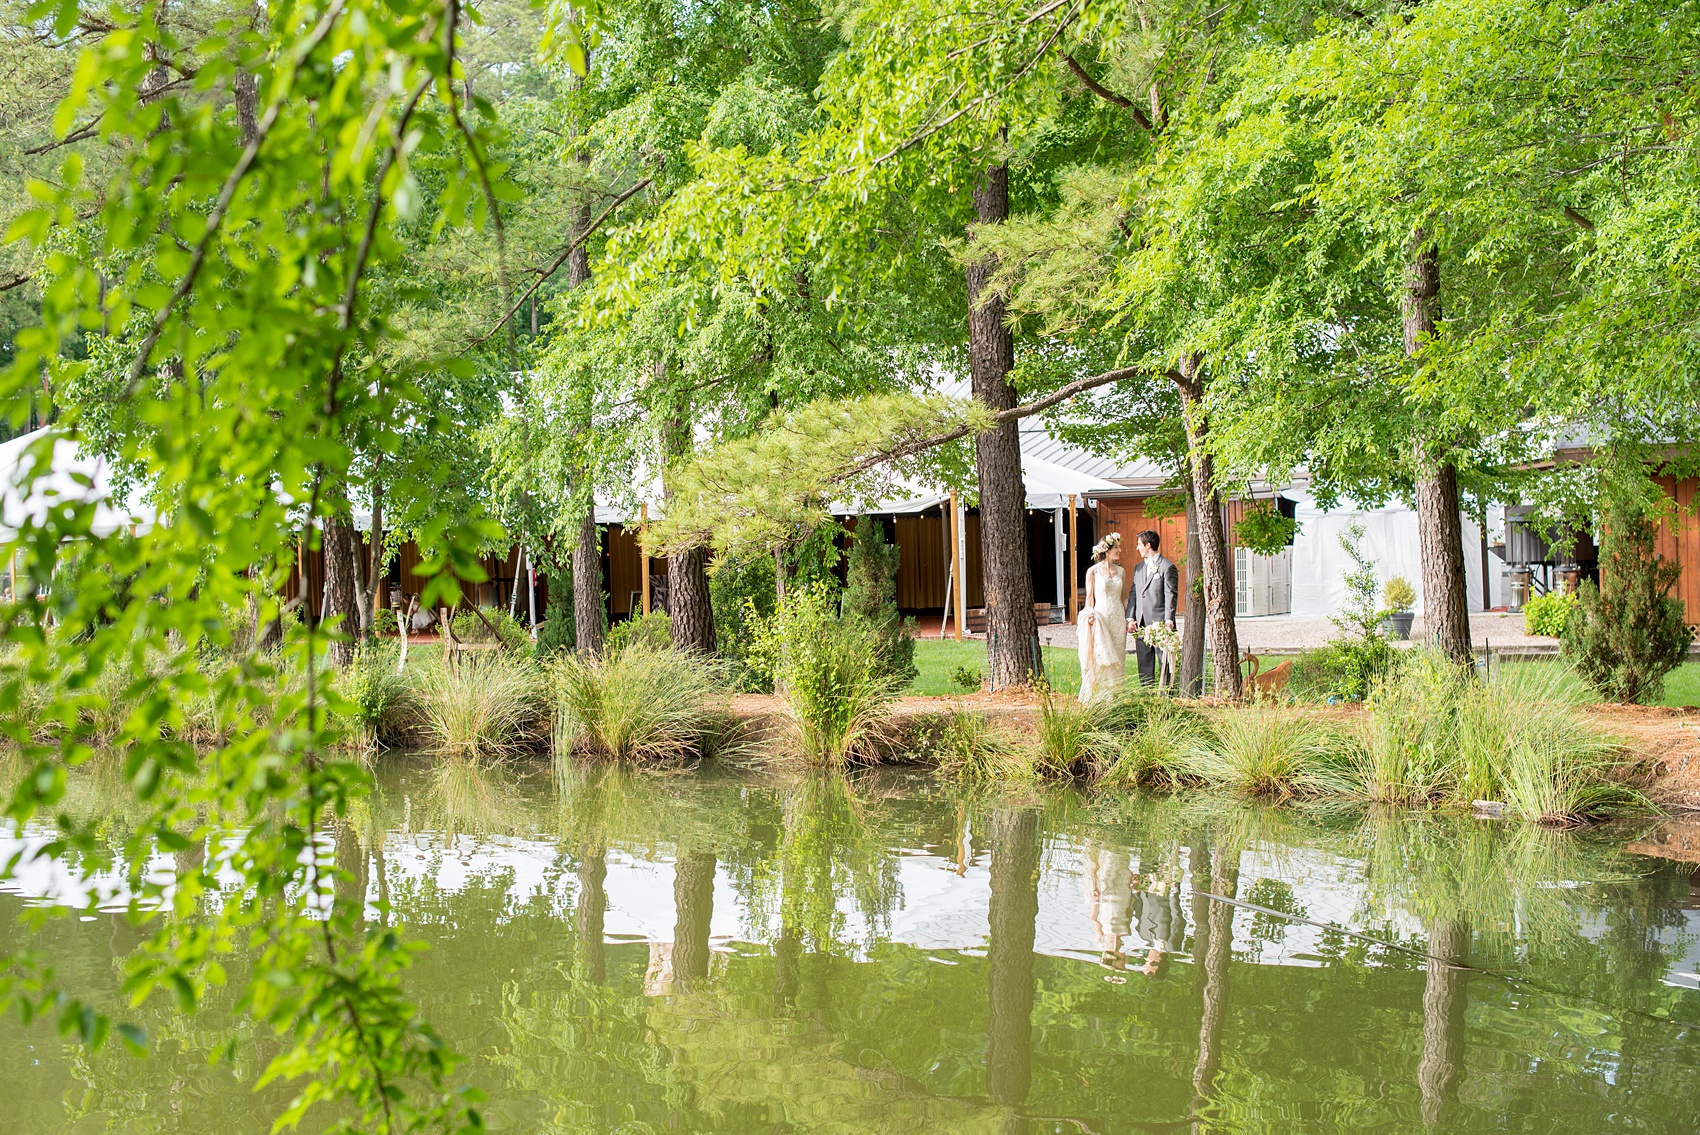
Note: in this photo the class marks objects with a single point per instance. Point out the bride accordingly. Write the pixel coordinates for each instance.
(1102, 629)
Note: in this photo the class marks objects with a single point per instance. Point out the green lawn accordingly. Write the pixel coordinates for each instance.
(938, 661)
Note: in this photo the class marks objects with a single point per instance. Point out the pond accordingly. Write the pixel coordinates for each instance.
(755, 952)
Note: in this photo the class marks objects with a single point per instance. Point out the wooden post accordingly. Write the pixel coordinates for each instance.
(1073, 561)
(958, 569)
(643, 557)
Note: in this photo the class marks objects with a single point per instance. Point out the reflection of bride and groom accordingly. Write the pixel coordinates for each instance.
(1113, 611)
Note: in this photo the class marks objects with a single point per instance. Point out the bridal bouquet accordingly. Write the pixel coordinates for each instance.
(1162, 636)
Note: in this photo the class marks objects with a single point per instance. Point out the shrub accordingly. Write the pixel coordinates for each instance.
(870, 595)
(968, 748)
(479, 706)
(1346, 669)
(1407, 741)
(1263, 751)
(514, 635)
(829, 672)
(558, 632)
(741, 591)
(375, 693)
(1548, 614)
(1627, 633)
(642, 703)
(653, 631)
(968, 679)
(1398, 594)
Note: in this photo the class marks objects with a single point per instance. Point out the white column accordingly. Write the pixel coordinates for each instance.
(1061, 541)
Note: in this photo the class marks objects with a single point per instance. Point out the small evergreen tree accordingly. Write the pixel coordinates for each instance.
(558, 633)
(1627, 632)
(870, 597)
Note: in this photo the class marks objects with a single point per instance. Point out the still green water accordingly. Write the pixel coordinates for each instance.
(715, 952)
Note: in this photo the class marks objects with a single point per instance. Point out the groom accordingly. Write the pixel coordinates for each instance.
(1151, 599)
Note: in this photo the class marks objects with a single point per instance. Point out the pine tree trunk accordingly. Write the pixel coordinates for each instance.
(1440, 537)
(1444, 1000)
(341, 545)
(1191, 677)
(690, 609)
(1003, 495)
(1215, 568)
(1013, 915)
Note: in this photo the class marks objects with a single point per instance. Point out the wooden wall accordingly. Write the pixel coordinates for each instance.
(1128, 517)
(1679, 540)
(925, 563)
(622, 567)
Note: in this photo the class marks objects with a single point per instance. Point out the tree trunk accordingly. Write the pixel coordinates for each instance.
(689, 607)
(341, 544)
(1215, 568)
(1003, 495)
(1440, 537)
(1191, 678)
(369, 599)
(246, 90)
(589, 616)
(1013, 914)
(1444, 1001)
(693, 905)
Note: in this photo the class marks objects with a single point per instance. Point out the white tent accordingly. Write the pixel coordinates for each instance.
(73, 478)
(1389, 541)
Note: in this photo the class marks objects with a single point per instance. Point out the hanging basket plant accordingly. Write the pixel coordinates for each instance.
(1265, 531)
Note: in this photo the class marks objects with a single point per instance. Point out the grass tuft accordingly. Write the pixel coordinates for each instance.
(481, 706)
(643, 703)
(968, 747)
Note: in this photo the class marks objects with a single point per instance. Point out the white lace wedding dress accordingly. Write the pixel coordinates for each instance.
(1102, 632)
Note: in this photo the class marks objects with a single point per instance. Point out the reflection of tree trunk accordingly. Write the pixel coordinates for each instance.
(1013, 913)
(1218, 951)
(352, 874)
(592, 905)
(382, 872)
(787, 964)
(1444, 1000)
(1198, 865)
(693, 904)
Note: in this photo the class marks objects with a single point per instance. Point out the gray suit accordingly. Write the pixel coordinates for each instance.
(1151, 598)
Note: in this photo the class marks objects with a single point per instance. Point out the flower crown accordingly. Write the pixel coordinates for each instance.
(1102, 547)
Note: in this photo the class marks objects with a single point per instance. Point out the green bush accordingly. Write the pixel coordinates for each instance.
(870, 595)
(653, 631)
(741, 592)
(830, 673)
(1346, 669)
(641, 702)
(1549, 614)
(558, 632)
(1398, 594)
(1628, 632)
(468, 627)
(968, 679)
(375, 692)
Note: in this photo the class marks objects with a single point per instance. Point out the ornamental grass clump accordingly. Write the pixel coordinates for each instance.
(835, 681)
(376, 697)
(478, 706)
(1260, 750)
(1407, 742)
(968, 747)
(1156, 753)
(641, 703)
(1070, 734)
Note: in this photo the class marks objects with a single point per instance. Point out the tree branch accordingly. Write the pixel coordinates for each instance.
(562, 258)
(1105, 93)
(1014, 413)
(17, 281)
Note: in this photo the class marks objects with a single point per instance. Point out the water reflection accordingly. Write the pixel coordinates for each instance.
(617, 951)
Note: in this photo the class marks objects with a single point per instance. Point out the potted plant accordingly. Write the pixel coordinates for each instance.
(1399, 596)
